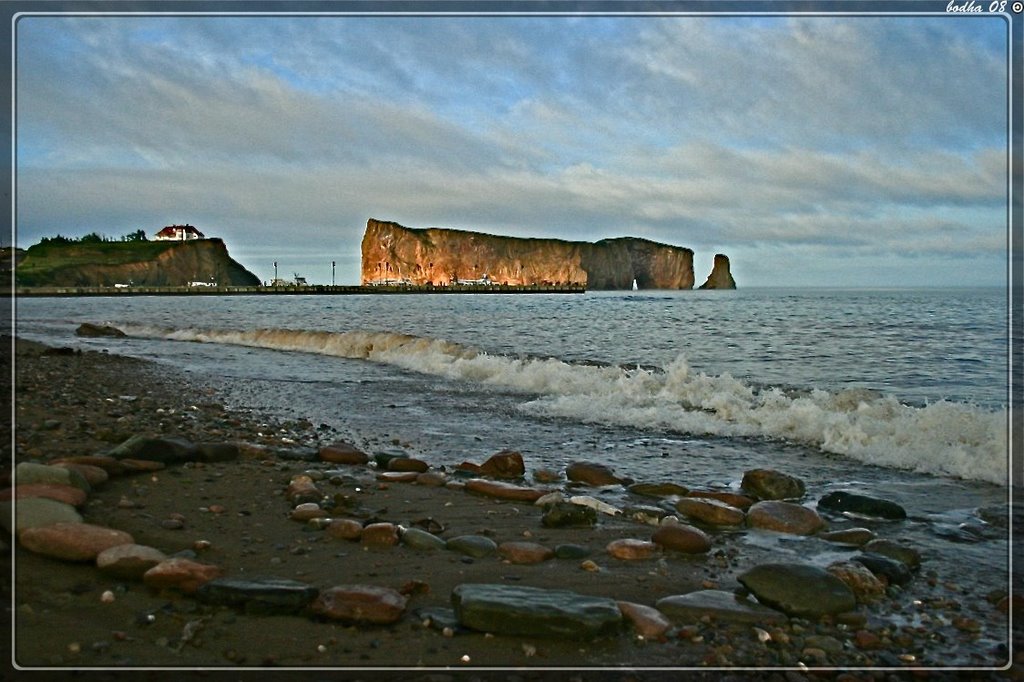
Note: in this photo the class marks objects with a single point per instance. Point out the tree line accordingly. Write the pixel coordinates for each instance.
(95, 238)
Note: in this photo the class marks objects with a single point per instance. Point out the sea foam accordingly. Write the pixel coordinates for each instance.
(942, 438)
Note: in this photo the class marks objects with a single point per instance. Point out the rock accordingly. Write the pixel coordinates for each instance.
(415, 538)
(301, 490)
(908, 555)
(741, 502)
(68, 494)
(477, 546)
(112, 466)
(680, 537)
(540, 613)
(503, 491)
(90, 330)
(629, 549)
(593, 474)
(217, 452)
(165, 449)
(648, 622)
(524, 552)
(295, 454)
(180, 574)
(258, 596)
(849, 536)
(570, 551)
(657, 489)
(596, 504)
(72, 541)
(342, 452)
(398, 476)
(718, 604)
(135, 466)
(861, 581)
(645, 514)
(379, 536)
(431, 479)
(360, 604)
(767, 484)
(344, 529)
(306, 511)
(30, 472)
(546, 476)
(94, 476)
(894, 572)
(798, 589)
(861, 505)
(128, 561)
(407, 464)
(784, 517)
(33, 512)
(504, 464)
(566, 514)
(710, 511)
(720, 277)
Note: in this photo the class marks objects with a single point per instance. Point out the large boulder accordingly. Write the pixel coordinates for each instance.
(799, 589)
(521, 610)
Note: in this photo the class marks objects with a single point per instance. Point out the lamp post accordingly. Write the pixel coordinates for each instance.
(275, 273)
(332, 272)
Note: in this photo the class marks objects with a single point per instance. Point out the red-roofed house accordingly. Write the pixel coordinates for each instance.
(179, 233)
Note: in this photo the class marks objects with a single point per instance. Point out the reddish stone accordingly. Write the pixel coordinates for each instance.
(301, 489)
(379, 535)
(593, 474)
(784, 517)
(504, 464)
(112, 466)
(648, 621)
(863, 639)
(140, 465)
(524, 552)
(431, 479)
(344, 529)
(343, 453)
(710, 511)
(93, 474)
(682, 538)
(504, 491)
(862, 582)
(360, 604)
(398, 476)
(630, 549)
(68, 494)
(181, 574)
(407, 464)
(306, 511)
(741, 502)
(129, 561)
(469, 468)
(72, 541)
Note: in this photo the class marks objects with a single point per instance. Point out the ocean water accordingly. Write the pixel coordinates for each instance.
(902, 394)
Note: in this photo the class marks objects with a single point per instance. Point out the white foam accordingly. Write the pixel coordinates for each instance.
(944, 438)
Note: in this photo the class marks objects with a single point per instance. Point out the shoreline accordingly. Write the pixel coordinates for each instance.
(291, 290)
(239, 515)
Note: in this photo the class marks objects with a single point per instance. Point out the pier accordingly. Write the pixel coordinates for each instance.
(296, 290)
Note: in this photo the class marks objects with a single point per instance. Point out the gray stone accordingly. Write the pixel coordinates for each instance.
(718, 604)
(894, 550)
(35, 512)
(893, 571)
(477, 546)
(799, 589)
(90, 330)
(258, 595)
(861, 505)
(216, 452)
(166, 449)
(129, 561)
(416, 538)
(31, 472)
(520, 610)
(570, 551)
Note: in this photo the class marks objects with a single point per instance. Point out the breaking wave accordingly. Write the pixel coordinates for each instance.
(942, 438)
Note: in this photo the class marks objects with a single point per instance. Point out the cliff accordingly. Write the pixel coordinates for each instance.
(720, 277)
(391, 252)
(143, 263)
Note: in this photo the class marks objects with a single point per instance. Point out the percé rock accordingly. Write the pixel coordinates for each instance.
(437, 256)
(720, 277)
(149, 263)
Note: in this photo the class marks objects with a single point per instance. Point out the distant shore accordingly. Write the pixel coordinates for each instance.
(306, 290)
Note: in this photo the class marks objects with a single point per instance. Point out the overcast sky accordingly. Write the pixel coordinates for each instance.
(847, 151)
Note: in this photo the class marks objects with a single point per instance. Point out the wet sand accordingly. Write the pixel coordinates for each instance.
(236, 515)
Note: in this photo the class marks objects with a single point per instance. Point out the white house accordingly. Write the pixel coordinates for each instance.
(178, 233)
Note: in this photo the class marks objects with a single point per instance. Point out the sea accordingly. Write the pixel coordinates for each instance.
(902, 394)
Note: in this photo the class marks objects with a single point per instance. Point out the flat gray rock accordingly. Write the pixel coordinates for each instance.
(261, 595)
(799, 589)
(720, 605)
(521, 610)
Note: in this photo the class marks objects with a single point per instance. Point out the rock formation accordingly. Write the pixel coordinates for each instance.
(164, 263)
(393, 253)
(720, 277)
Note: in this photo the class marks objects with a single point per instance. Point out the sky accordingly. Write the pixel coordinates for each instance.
(812, 150)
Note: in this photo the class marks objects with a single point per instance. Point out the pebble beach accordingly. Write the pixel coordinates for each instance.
(152, 527)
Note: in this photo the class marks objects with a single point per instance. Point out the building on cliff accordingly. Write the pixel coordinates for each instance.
(392, 253)
(178, 233)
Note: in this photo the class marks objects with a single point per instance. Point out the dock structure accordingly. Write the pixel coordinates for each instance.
(295, 290)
